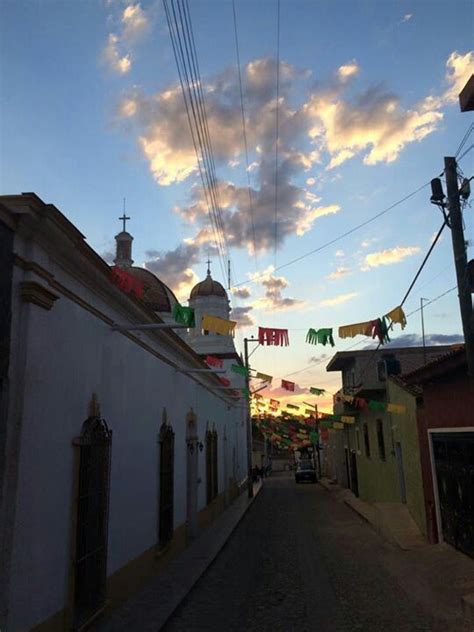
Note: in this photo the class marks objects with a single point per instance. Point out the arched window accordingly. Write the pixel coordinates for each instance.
(90, 564)
(366, 440)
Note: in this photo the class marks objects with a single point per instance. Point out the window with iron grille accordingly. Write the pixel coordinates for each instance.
(366, 440)
(380, 439)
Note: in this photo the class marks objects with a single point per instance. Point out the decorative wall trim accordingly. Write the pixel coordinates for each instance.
(33, 292)
(34, 267)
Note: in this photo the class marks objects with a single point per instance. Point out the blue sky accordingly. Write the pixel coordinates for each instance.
(368, 109)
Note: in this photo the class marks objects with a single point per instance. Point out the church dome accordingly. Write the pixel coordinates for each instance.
(156, 294)
(208, 287)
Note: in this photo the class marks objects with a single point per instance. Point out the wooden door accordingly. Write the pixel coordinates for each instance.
(90, 572)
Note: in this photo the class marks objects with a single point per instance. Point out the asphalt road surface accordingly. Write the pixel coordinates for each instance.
(301, 561)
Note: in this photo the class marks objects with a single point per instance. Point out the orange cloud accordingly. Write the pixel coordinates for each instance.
(389, 256)
(338, 300)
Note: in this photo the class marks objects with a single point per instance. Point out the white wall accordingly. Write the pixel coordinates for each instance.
(70, 354)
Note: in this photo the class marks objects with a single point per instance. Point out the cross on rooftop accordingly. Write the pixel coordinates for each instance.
(124, 219)
(208, 265)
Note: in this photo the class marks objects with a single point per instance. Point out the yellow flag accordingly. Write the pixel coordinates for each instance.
(218, 325)
(347, 420)
(396, 408)
(264, 377)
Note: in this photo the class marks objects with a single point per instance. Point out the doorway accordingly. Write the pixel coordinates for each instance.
(193, 446)
(90, 569)
(166, 511)
(401, 472)
(354, 478)
(454, 467)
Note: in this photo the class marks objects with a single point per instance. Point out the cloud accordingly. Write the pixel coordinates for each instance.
(117, 53)
(134, 21)
(241, 292)
(374, 122)
(116, 62)
(348, 70)
(415, 340)
(242, 316)
(161, 126)
(458, 71)
(338, 300)
(389, 256)
(108, 256)
(340, 253)
(273, 299)
(407, 17)
(339, 273)
(321, 125)
(174, 267)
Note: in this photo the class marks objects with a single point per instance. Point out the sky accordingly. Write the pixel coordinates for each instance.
(92, 112)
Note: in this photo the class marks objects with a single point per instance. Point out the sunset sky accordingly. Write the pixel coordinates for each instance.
(92, 112)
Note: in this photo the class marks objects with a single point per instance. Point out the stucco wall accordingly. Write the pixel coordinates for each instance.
(405, 431)
(70, 354)
(377, 478)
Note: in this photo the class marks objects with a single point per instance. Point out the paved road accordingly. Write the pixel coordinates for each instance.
(301, 561)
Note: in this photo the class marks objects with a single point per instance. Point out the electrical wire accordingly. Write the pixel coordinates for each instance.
(244, 133)
(256, 278)
(465, 153)
(432, 301)
(464, 139)
(184, 49)
(277, 128)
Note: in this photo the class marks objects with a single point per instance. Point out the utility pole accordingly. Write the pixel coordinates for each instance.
(249, 424)
(460, 259)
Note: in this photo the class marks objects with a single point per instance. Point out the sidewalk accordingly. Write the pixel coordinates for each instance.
(438, 569)
(150, 608)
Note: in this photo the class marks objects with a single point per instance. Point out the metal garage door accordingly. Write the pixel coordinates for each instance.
(454, 464)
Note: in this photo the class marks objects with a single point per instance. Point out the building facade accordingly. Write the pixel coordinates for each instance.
(446, 443)
(117, 445)
(378, 456)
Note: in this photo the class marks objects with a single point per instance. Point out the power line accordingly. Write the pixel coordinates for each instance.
(182, 39)
(339, 237)
(464, 139)
(433, 300)
(465, 153)
(244, 133)
(277, 131)
(435, 240)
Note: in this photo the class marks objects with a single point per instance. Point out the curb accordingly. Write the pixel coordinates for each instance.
(210, 560)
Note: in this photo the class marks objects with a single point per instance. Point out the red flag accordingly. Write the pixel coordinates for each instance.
(289, 386)
(224, 381)
(212, 361)
(127, 282)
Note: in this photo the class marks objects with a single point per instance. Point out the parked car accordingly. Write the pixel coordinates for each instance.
(305, 471)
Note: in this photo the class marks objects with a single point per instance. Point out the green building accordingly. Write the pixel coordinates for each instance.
(378, 457)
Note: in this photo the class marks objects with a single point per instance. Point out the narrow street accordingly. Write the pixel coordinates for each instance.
(299, 560)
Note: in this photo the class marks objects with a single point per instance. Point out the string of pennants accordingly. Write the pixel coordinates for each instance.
(359, 403)
(269, 336)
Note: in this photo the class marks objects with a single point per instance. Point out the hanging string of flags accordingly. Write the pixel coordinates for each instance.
(126, 282)
(273, 337)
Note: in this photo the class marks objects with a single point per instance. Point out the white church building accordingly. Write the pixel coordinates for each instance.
(117, 445)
